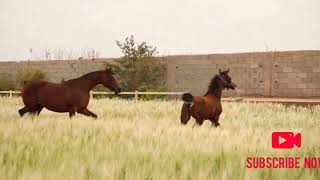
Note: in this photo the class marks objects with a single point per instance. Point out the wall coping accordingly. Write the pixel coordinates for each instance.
(198, 56)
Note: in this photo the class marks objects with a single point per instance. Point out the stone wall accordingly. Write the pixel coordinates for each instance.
(56, 70)
(278, 74)
(271, 74)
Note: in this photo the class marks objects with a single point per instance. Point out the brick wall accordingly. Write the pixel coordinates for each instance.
(279, 74)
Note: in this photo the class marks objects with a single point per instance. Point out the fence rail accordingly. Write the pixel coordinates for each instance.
(135, 93)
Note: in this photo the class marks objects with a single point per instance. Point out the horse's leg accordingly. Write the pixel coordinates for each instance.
(33, 110)
(199, 121)
(23, 110)
(30, 109)
(215, 120)
(86, 112)
(39, 109)
(72, 112)
(185, 114)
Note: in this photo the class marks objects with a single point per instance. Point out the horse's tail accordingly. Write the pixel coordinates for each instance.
(185, 111)
(187, 98)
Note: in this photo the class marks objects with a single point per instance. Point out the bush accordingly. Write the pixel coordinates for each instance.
(6, 83)
(145, 88)
(100, 87)
(138, 69)
(28, 74)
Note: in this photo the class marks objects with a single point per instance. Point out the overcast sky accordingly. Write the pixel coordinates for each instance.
(174, 26)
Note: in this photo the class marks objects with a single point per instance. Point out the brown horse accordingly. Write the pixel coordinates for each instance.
(68, 96)
(207, 107)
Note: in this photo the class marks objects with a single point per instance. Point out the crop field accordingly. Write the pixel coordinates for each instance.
(145, 140)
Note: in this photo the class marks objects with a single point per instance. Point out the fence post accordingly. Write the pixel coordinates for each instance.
(91, 95)
(136, 95)
(10, 94)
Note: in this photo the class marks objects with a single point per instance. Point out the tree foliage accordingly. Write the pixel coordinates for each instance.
(138, 69)
(28, 74)
(6, 83)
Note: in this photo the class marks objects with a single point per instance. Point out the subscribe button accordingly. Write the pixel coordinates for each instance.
(286, 140)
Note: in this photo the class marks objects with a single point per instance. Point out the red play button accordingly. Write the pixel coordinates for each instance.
(281, 140)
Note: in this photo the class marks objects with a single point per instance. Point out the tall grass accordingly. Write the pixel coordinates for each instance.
(144, 140)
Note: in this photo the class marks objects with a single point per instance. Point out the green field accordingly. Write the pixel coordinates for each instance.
(144, 140)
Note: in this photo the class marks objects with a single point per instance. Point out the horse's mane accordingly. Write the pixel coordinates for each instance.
(213, 86)
(90, 74)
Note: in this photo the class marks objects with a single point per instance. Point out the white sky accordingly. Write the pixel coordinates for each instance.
(174, 26)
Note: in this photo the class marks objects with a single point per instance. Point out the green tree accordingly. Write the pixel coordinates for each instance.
(138, 69)
(28, 74)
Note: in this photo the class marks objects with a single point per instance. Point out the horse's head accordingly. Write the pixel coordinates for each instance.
(110, 82)
(226, 79)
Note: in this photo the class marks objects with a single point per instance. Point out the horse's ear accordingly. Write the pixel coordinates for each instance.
(220, 71)
(228, 71)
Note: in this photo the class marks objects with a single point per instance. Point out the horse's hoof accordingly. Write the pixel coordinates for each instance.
(20, 112)
(216, 125)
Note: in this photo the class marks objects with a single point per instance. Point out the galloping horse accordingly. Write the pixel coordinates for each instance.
(68, 96)
(207, 107)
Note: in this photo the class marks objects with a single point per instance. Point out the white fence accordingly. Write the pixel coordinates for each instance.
(136, 93)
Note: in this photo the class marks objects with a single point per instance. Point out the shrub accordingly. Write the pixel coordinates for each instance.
(101, 88)
(6, 83)
(28, 74)
(146, 87)
(138, 69)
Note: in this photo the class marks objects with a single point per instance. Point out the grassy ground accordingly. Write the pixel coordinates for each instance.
(145, 140)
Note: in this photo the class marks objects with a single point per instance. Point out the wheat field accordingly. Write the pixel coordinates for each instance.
(144, 140)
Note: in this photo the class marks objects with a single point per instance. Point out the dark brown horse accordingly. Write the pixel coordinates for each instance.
(207, 107)
(68, 96)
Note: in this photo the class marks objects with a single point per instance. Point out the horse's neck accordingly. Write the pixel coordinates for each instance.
(86, 83)
(217, 93)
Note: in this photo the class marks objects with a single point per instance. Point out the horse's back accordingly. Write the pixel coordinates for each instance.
(36, 86)
(47, 94)
(33, 89)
